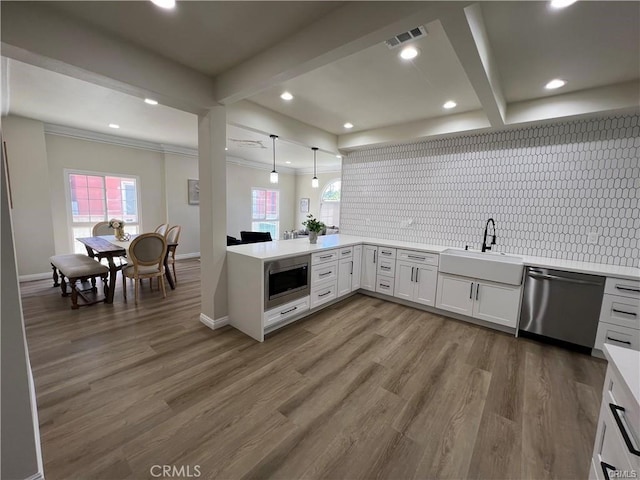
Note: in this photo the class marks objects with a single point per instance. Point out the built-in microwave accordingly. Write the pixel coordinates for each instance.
(286, 280)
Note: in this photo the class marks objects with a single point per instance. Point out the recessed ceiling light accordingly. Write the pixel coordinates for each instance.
(226, 149)
(286, 96)
(150, 101)
(348, 125)
(338, 156)
(450, 104)
(288, 162)
(114, 125)
(168, 4)
(408, 53)
(562, 3)
(555, 83)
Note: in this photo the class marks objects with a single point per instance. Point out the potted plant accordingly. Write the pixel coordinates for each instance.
(314, 226)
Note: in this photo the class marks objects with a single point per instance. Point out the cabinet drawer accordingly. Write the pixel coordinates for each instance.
(323, 293)
(619, 310)
(418, 257)
(387, 267)
(386, 252)
(346, 252)
(324, 273)
(624, 288)
(284, 312)
(385, 285)
(324, 257)
(628, 413)
(609, 447)
(617, 335)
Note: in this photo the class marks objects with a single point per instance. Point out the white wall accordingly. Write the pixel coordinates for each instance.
(179, 169)
(546, 186)
(21, 456)
(305, 190)
(29, 175)
(70, 153)
(240, 180)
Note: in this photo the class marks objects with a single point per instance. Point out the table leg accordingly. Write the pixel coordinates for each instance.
(167, 272)
(113, 276)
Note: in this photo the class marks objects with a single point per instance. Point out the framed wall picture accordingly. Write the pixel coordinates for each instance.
(193, 191)
(304, 205)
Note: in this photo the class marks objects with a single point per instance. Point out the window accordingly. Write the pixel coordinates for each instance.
(97, 198)
(265, 211)
(330, 204)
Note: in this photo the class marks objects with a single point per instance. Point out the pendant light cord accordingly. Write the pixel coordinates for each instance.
(273, 137)
(315, 150)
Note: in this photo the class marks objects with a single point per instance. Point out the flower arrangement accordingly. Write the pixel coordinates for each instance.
(116, 223)
(313, 225)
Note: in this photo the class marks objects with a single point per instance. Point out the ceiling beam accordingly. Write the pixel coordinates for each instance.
(344, 31)
(611, 98)
(467, 34)
(37, 34)
(415, 131)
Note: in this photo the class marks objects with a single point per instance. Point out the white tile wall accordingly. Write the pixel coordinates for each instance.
(547, 187)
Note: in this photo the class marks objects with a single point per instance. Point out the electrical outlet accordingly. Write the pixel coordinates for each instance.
(592, 238)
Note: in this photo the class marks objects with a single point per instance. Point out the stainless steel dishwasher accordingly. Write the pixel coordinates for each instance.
(562, 305)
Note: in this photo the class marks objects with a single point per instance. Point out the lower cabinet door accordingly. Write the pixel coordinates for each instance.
(609, 450)
(344, 276)
(455, 294)
(497, 303)
(426, 280)
(357, 267)
(369, 267)
(323, 293)
(404, 286)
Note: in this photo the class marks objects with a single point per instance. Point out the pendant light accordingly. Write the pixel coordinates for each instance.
(314, 180)
(273, 178)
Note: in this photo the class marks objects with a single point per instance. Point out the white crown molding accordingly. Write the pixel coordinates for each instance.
(178, 150)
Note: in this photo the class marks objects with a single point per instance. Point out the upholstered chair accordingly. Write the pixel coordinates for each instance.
(146, 253)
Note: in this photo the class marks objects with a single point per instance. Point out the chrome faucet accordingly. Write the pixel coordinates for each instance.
(486, 247)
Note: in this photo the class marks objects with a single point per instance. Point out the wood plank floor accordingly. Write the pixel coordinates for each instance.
(364, 389)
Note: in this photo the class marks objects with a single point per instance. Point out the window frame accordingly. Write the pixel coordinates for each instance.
(68, 208)
(264, 220)
(321, 201)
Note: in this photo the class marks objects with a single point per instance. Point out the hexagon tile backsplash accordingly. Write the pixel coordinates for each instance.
(547, 187)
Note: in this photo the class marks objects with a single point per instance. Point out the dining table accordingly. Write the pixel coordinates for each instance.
(110, 248)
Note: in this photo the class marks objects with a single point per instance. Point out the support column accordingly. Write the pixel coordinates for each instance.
(212, 168)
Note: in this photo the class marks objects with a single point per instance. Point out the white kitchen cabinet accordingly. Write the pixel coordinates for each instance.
(404, 285)
(620, 315)
(369, 267)
(345, 273)
(415, 282)
(455, 294)
(496, 303)
(492, 302)
(357, 268)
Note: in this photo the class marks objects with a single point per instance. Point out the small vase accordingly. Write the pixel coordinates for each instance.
(313, 237)
(119, 234)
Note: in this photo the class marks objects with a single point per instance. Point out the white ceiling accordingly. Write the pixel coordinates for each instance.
(375, 88)
(486, 59)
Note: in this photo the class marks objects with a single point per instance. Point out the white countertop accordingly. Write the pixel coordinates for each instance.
(300, 246)
(627, 363)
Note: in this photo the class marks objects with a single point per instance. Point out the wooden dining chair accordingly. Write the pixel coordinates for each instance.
(147, 252)
(162, 228)
(100, 229)
(173, 237)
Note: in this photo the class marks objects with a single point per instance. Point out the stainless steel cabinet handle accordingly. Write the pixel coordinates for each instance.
(374, 256)
(417, 274)
(622, 311)
(325, 256)
(385, 285)
(385, 267)
(384, 253)
(628, 289)
(412, 272)
(471, 291)
(346, 253)
(290, 310)
(477, 290)
(415, 257)
(325, 274)
(352, 267)
(325, 294)
(561, 279)
(615, 410)
(620, 341)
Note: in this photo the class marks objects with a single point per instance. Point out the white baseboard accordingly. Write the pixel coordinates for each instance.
(36, 276)
(184, 256)
(214, 324)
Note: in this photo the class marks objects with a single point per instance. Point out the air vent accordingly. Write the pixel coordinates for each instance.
(247, 143)
(405, 37)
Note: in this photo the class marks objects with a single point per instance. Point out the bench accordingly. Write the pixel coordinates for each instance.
(80, 267)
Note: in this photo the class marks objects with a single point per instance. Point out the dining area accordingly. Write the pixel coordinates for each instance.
(109, 250)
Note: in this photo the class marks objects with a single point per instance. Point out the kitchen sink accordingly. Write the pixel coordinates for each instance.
(492, 266)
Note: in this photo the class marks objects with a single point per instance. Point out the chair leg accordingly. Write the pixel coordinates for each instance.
(55, 276)
(175, 277)
(136, 290)
(74, 294)
(161, 282)
(124, 286)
